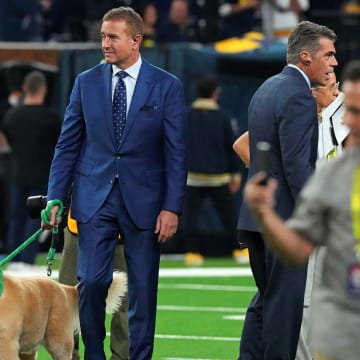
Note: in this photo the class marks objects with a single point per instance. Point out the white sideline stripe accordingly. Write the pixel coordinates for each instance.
(234, 317)
(168, 273)
(190, 337)
(54, 274)
(208, 287)
(201, 308)
(205, 272)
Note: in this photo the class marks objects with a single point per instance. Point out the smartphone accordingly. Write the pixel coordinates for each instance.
(262, 158)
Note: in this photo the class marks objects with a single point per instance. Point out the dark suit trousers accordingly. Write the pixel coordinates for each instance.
(119, 337)
(97, 241)
(273, 319)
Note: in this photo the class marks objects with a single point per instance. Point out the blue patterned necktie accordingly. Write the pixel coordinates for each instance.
(119, 107)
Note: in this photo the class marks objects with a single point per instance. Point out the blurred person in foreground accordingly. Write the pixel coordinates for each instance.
(333, 137)
(327, 213)
(122, 153)
(283, 113)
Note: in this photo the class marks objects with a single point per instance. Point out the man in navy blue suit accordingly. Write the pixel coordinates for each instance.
(282, 112)
(133, 185)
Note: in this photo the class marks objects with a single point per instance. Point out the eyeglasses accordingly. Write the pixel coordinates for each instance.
(329, 87)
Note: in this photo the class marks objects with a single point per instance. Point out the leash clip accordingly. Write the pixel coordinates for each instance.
(49, 271)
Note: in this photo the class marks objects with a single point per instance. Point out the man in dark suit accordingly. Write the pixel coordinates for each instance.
(282, 112)
(127, 169)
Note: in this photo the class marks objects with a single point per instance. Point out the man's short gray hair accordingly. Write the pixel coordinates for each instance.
(305, 37)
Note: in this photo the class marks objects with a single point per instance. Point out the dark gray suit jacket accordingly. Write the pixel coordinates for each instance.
(282, 112)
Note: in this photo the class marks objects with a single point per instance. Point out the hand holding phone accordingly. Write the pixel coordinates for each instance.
(262, 159)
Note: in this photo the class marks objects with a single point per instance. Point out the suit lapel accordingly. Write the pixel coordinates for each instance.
(141, 93)
(106, 93)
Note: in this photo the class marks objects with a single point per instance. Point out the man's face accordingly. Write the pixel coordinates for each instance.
(118, 46)
(351, 115)
(327, 93)
(322, 63)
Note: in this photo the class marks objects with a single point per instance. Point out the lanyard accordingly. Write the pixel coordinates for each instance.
(331, 154)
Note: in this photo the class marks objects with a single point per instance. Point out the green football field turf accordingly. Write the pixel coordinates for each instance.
(200, 310)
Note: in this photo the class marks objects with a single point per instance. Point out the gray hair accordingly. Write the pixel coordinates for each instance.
(305, 37)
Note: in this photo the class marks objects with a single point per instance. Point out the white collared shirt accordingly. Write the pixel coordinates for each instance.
(130, 80)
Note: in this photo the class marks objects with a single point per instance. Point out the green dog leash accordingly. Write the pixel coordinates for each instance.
(45, 217)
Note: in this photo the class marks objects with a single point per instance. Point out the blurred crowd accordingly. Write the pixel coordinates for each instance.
(202, 21)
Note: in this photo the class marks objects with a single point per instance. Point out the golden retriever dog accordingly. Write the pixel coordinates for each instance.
(39, 311)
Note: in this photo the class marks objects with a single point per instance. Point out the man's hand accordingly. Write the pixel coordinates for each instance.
(260, 198)
(166, 225)
(53, 221)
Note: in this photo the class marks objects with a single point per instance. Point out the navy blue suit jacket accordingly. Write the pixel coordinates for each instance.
(151, 161)
(283, 113)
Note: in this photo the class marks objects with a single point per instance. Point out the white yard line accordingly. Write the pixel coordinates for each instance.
(205, 272)
(201, 308)
(191, 337)
(170, 273)
(230, 288)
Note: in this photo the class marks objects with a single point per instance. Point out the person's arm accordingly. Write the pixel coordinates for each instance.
(288, 244)
(175, 150)
(242, 148)
(68, 148)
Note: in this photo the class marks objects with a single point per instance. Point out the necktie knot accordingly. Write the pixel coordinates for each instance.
(122, 74)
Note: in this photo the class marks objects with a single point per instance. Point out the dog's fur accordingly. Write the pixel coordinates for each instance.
(40, 311)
